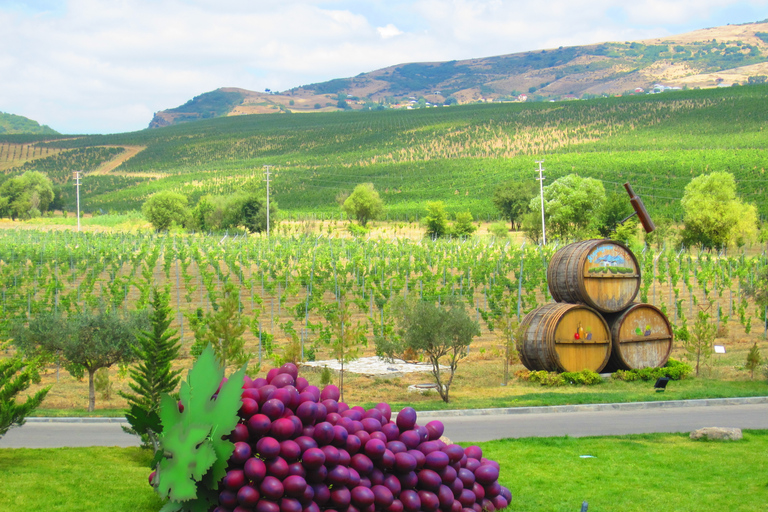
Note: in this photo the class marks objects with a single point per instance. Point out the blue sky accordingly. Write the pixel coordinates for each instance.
(105, 66)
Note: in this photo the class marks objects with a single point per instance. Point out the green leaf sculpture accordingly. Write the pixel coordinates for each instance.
(193, 441)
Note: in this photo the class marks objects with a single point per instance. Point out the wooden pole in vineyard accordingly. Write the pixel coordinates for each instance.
(267, 168)
(77, 186)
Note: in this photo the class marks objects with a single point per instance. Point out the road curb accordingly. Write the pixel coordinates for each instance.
(629, 406)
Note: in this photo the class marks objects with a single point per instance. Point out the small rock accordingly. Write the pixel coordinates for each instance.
(717, 434)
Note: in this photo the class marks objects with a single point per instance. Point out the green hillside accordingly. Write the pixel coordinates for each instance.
(13, 124)
(457, 154)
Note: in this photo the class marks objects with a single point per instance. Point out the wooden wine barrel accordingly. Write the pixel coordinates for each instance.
(602, 274)
(642, 338)
(564, 337)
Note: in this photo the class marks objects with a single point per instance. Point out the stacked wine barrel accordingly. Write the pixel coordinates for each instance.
(594, 323)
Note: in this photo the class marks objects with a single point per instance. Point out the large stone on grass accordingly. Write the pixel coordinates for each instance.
(717, 434)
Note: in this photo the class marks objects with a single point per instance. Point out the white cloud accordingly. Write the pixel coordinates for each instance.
(389, 31)
(96, 66)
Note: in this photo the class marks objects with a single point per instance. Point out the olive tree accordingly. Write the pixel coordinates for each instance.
(166, 208)
(513, 200)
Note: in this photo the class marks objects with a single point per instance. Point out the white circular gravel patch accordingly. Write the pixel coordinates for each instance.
(375, 366)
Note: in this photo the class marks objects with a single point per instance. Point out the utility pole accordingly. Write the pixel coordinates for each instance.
(541, 191)
(266, 169)
(77, 186)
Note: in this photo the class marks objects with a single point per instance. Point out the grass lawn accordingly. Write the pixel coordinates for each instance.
(659, 472)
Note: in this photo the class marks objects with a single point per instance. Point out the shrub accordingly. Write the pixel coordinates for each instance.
(674, 370)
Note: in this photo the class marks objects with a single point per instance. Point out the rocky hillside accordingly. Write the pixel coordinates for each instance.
(720, 56)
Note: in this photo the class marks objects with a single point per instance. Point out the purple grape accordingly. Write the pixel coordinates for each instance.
(338, 475)
(375, 448)
(376, 476)
(313, 458)
(340, 435)
(423, 434)
(408, 480)
(248, 496)
(492, 490)
(391, 431)
(268, 447)
(241, 453)
(273, 408)
(467, 477)
(277, 467)
(271, 488)
(331, 455)
(343, 407)
(362, 464)
(363, 436)
(382, 496)
(455, 453)
(435, 429)
(387, 460)
(298, 469)
(456, 506)
(488, 506)
(283, 393)
(265, 505)
(344, 457)
(308, 496)
(392, 483)
(354, 478)
(362, 496)
(506, 493)
(330, 392)
(421, 459)
(474, 452)
(234, 479)
(294, 486)
(445, 498)
(479, 492)
(305, 397)
(353, 444)
(436, 460)
(406, 419)
(272, 373)
(429, 480)
(396, 447)
(322, 494)
(259, 382)
(347, 424)
(323, 433)
(290, 450)
(282, 429)
(228, 498)
(333, 418)
(290, 504)
(467, 498)
(396, 506)
(340, 497)
(472, 464)
(258, 425)
(305, 443)
(353, 414)
(499, 502)
(255, 470)
(486, 474)
(311, 507)
(410, 439)
(301, 384)
(314, 390)
(429, 501)
(240, 433)
(410, 500)
(456, 486)
(265, 393)
(371, 425)
(448, 475)
(385, 409)
(477, 507)
(248, 408)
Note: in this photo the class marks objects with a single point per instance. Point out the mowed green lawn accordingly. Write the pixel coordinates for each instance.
(654, 472)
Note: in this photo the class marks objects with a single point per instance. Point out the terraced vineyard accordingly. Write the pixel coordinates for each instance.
(456, 154)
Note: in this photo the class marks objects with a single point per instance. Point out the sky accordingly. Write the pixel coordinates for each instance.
(106, 66)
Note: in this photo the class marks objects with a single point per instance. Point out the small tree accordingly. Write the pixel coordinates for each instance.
(463, 225)
(346, 337)
(155, 352)
(16, 375)
(753, 360)
(436, 219)
(363, 204)
(571, 206)
(166, 208)
(699, 346)
(441, 333)
(223, 329)
(512, 199)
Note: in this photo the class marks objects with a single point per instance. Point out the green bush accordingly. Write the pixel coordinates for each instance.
(674, 370)
(554, 379)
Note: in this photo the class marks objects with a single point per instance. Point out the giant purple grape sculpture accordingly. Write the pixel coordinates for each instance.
(298, 449)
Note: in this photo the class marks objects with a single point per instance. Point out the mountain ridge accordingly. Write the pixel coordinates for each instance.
(710, 57)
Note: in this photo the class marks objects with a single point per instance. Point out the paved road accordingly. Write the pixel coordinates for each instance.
(575, 421)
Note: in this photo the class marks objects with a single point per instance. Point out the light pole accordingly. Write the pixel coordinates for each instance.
(77, 186)
(541, 192)
(267, 168)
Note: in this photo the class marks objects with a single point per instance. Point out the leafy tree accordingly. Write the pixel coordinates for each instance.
(347, 338)
(571, 206)
(753, 360)
(154, 375)
(26, 196)
(166, 208)
(222, 329)
(441, 333)
(246, 209)
(88, 341)
(615, 209)
(16, 374)
(714, 216)
(513, 199)
(363, 204)
(436, 219)
(463, 225)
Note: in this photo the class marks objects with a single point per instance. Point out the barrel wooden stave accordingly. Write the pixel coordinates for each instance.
(642, 338)
(602, 274)
(549, 343)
